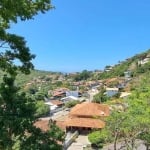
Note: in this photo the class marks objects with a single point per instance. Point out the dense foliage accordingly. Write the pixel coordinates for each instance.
(123, 66)
(41, 109)
(72, 103)
(17, 110)
(131, 124)
(84, 75)
(101, 96)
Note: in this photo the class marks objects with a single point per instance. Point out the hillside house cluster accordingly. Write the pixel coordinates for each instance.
(87, 115)
(64, 95)
(82, 118)
(59, 97)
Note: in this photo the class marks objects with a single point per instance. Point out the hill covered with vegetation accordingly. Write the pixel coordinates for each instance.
(137, 64)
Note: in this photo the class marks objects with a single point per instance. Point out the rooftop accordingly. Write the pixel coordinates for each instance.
(88, 109)
(56, 102)
(44, 125)
(84, 122)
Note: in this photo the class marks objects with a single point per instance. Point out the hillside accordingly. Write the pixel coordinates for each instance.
(41, 84)
(43, 81)
(137, 65)
(34, 75)
(37, 75)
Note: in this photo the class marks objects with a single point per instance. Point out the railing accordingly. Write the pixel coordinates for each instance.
(70, 140)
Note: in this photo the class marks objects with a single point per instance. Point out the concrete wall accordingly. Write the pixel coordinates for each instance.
(69, 140)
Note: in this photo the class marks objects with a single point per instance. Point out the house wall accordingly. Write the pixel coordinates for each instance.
(56, 110)
(72, 93)
(127, 74)
(111, 93)
(70, 140)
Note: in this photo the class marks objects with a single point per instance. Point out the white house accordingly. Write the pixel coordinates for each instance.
(124, 94)
(144, 61)
(54, 104)
(51, 105)
(72, 93)
(111, 91)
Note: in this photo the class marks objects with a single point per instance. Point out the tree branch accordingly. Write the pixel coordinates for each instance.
(3, 43)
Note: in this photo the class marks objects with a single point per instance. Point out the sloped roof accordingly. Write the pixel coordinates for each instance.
(44, 124)
(60, 91)
(124, 94)
(88, 109)
(56, 102)
(84, 122)
(112, 89)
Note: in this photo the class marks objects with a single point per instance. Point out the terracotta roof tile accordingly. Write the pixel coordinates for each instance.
(84, 122)
(88, 109)
(56, 102)
(61, 125)
(58, 93)
(44, 124)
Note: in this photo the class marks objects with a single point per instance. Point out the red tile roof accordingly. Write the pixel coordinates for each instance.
(88, 109)
(84, 122)
(58, 93)
(44, 124)
(56, 102)
(61, 125)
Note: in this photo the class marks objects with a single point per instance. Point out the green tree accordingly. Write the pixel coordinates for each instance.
(41, 109)
(99, 138)
(100, 97)
(84, 75)
(16, 109)
(133, 123)
(145, 136)
(71, 103)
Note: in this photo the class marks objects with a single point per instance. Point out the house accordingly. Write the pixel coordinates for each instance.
(83, 117)
(72, 93)
(58, 103)
(111, 91)
(124, 94)
(87, 116)
(44, 124)
(91, 93)
(68, 98)
(59, 93)
(108, 68)
(121, 85)
(127, 74)
(54, 104)
(144, 61)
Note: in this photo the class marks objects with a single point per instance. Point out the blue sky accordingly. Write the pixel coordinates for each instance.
(87, 34)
